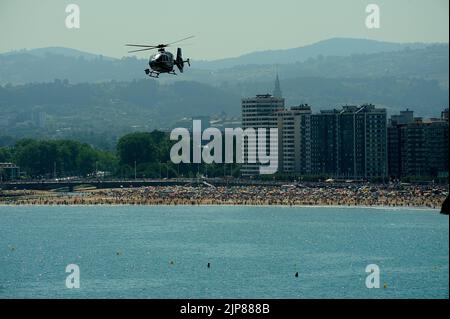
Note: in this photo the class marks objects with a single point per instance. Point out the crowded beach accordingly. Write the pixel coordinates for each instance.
(423, 196)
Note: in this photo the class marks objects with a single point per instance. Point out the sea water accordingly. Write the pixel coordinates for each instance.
(253, 251)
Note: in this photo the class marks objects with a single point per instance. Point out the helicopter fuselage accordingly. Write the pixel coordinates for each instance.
(162, 62)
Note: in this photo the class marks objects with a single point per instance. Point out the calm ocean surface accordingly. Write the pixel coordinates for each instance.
(126, 252)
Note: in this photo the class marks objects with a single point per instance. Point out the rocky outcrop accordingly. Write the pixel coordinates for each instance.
(446, 206)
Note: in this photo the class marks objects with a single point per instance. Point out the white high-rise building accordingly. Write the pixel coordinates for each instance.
(259, 112)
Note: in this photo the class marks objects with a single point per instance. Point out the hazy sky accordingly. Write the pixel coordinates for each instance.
(222, 28)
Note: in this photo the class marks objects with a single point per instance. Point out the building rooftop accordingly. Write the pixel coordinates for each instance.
(8, 165)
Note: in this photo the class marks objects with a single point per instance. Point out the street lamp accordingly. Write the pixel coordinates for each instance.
(167, 171)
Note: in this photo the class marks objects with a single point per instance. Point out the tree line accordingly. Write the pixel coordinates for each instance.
(137, 155)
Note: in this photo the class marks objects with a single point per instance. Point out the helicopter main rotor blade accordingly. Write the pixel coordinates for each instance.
(141, 50)
(141, 45)
(181, 40)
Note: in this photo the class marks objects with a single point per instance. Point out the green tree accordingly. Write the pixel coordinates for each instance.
(63, 157)
(5, 155)
(138, 148)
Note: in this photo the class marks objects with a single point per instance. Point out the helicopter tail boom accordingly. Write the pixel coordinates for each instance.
(179, 62)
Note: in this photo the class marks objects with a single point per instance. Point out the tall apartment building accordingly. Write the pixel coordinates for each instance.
(325, 159)
(418, 147)
(366, 125)
(294, 136)
(350, 143)
(259, 112)
(396, 140)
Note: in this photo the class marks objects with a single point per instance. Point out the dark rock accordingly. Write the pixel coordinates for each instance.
(446, 206)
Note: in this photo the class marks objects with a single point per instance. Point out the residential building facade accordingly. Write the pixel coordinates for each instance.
(294, 136)
(258, 112)
(350, 143)
(418, 147)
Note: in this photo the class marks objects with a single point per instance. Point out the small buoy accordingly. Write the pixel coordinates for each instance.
(118, 253)
(209, 265)
(171, 262)
(385, 285)
(296, 275)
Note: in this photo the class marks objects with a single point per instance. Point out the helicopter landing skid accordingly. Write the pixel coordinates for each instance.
(152, 73)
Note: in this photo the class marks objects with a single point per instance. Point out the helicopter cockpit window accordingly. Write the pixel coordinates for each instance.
(158, 57)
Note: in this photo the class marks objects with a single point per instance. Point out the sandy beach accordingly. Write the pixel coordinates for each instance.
(430, 196)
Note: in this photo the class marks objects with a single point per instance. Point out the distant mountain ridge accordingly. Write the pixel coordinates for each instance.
(330, 47)
(331, 58)
(431, 63)
(61, 51)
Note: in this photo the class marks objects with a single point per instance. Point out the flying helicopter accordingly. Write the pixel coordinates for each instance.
(163, 61)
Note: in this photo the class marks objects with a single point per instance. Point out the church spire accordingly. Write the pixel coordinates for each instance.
(277, 91)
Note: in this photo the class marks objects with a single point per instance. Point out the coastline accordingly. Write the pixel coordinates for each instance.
(380, 207)
(382, 197)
